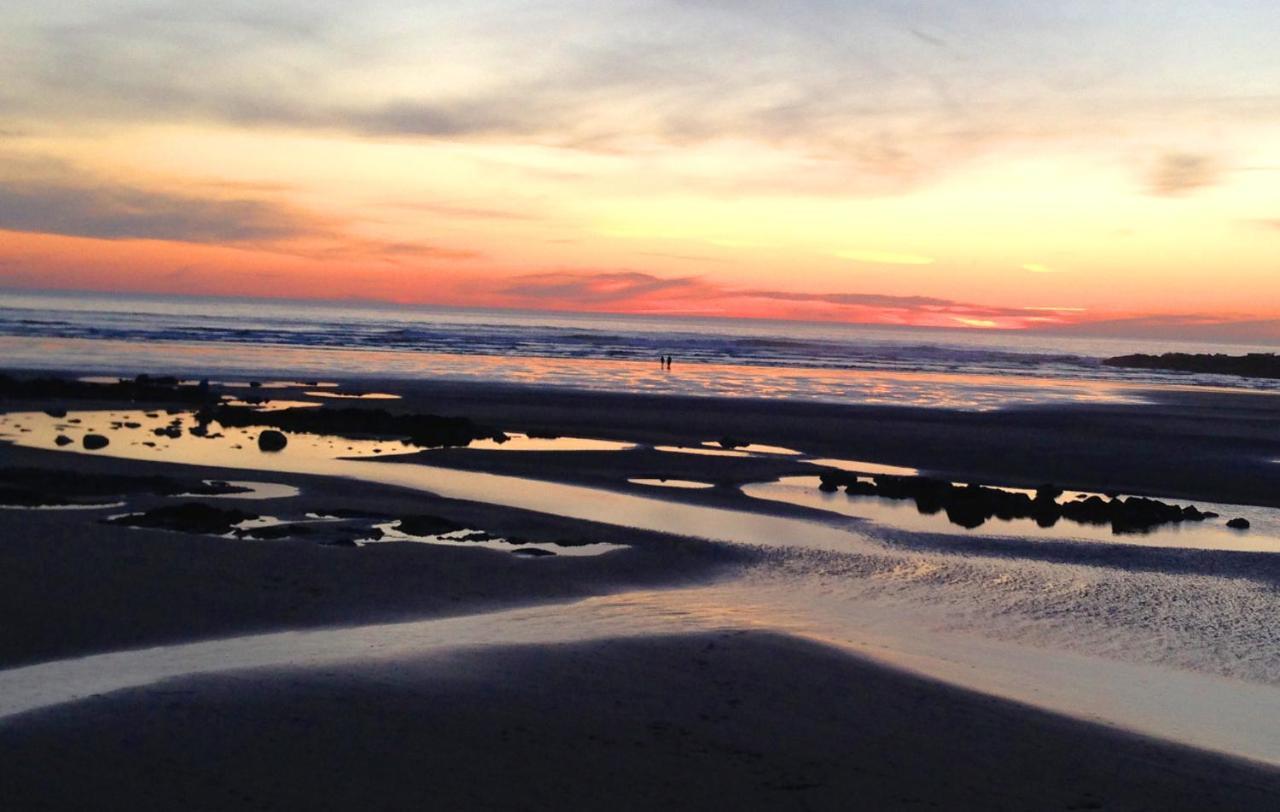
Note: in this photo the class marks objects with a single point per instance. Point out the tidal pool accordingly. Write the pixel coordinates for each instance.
(686, 484)
(522, 442)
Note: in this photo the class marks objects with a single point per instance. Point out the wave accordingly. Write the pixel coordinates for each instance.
(559, 336)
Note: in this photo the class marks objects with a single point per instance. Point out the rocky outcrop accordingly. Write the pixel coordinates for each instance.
(142, 389)
(426, 430)
(48, 486)
(1253, 365)
(972, 506)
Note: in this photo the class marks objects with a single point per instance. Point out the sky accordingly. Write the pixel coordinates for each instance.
(1101, 166)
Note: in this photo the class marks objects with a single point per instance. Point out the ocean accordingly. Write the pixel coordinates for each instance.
(126, 335)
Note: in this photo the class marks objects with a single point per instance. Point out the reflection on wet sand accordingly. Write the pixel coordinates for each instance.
(1024, 629)
(390, 532)
(902, 388)
(865, 467)
(705, 452)
(685, 484)
(352, 395)
(753, 448)
(515, 441)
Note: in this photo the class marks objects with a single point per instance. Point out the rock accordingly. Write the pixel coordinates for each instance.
(56, 412)
(1253, 365)
(860, 487)
(272, 440)
(428, 431)
(428, 525)
(94, 441)
(731, 442)
(532, 552)
(1048, 492)
(971, 505)
(1238, 523)
(62, 439)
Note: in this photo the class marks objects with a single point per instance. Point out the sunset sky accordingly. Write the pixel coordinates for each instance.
(983, 164)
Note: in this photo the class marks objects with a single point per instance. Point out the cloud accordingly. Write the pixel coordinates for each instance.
(48, 196)
(601, 288)
(397, 252)
(1183, 327)
(1178, 173)
(636, 291)
(885, 257)
(459, 212)
(866, 86)
(854, 299)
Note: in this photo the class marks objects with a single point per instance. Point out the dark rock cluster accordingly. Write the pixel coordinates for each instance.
(33, 487)
(1253, 365)
(973, 505)
(142, 389)
(426, 430)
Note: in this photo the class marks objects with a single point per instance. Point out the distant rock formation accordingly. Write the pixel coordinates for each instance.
(972, 506)
(1253, 365)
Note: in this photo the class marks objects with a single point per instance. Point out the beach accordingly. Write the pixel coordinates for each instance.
(646, 406)
(720, 647)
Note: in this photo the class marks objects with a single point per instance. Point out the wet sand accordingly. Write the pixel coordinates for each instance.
(717, 721)
(88, 587)
(1208, 445)
(756, 720)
